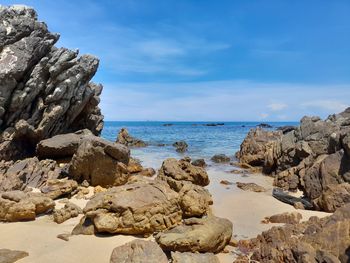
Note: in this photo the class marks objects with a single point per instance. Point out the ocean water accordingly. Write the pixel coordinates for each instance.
(204, 141)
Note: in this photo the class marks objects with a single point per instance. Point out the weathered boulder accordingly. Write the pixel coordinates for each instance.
(199, 162)
(181, 146)
(286, 218)
(220, 158)
(69, 211)
(176, 173)
(137, 208)
(188, 257)
(250, 187)
(316, 240)
(11, 256)
(100, 162)
(19, 206)
(333, 197)
(28, 172)
(56, 188)
(138, 251)
(125, 139)
(45, 90)
(210, 234)
(62, 145)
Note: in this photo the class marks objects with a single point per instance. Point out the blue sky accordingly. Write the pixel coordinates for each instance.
(270, 60)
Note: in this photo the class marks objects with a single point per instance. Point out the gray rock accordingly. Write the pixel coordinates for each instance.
(188, 257)
(220, 158)
(181, 146)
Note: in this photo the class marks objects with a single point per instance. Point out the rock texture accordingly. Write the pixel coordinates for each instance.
(316, 240)
(56, 188)
(20, 206)
(10, 256)
(313, 157)
(44, 90)
(209, 234)
(137, 208)
(69, 211)
(220, 158)
(125, 138)
(181, 146)
(138, 251)
(286, 218)
(188, 257)
(250, 187)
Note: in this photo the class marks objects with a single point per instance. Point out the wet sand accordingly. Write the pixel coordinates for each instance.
(245, 209)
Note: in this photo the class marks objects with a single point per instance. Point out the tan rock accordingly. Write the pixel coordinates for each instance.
(69, 210)
(250, 187)
(56, 188)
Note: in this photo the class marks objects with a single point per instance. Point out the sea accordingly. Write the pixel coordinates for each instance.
(204, 141)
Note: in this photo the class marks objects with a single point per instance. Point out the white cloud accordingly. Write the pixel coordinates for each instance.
(277, 106)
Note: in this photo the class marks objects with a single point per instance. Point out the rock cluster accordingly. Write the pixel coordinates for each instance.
(314, 157)
(125, 139)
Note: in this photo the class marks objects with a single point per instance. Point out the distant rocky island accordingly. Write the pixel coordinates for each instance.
(51, 154)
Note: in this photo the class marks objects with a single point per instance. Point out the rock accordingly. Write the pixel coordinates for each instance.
(134, 166)
(25, 173)
(99, 189)
(220, 158)
(289, 199)
(100, 163)
(264, 125)
(125, 139)
(168, 124)
(84, 227)
(286, 129)
(194, 200)
(214, 124)
(20, 206)
(188, 257)
(250, 187)
(61, 146)
(175, 173)
(299, 205)
(181, 146)
(69, 211)
(148, 172)
(316, 240)
(138, 251)
(285, 218)
(209, 234)
(56, 188)
(138, 208)
(333, 197)
(45, 90)
(10, 256)
(225, 182)
(199, 162)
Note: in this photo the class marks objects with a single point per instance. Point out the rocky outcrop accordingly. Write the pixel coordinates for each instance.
(220, 158)
(10, 256)
(285, 218)
(199, 162)
(138, 208)
(44, 90)
(20, 206)
(56, 188)
(188, 257)
(69, 211)
(100, 162)
(138, 251)
(181, 146)
(209, 234)
(126, 139)
(313, 157)
(316, 240)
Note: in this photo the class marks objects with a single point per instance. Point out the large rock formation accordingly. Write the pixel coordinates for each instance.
(314, 157)
(44, 90)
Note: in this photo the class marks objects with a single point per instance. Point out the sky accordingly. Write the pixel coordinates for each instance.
(202, 60)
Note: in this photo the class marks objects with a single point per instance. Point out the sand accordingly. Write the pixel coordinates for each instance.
(245, 209)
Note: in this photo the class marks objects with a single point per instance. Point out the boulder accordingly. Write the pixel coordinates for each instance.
(220, 158)
(11, 256)
(125, 139)
(100, 162)
(285, 218)
(188, 257)
(250, 187)
(176, 173)
(333, 197)
(45, 90)
(210, 234)
(138, 251)
(56, 188)
(69, 211)
(20, 206)
(181, 146)
(137, 208)
(199, 162)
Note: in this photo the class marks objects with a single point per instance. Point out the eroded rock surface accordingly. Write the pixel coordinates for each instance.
(56, 188)
(286, 218)
(69, 211)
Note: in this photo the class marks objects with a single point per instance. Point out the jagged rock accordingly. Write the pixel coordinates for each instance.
(181, 146)
(62, 145)
(286, 218)
(28, 172)
(209, 234)
(194, 200)
(100, 162)
(56, 188)
(45, 90)
(69, 211)
(316, 240)
(188, 257)
(11, 256)
(19, 206)
(125, 139)
(84, 227)
(199, 162)
(220, 158)
(250, 187)
(286, 129)
(138, 208)
(333, 197)
(175, 173)
(138, 251)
